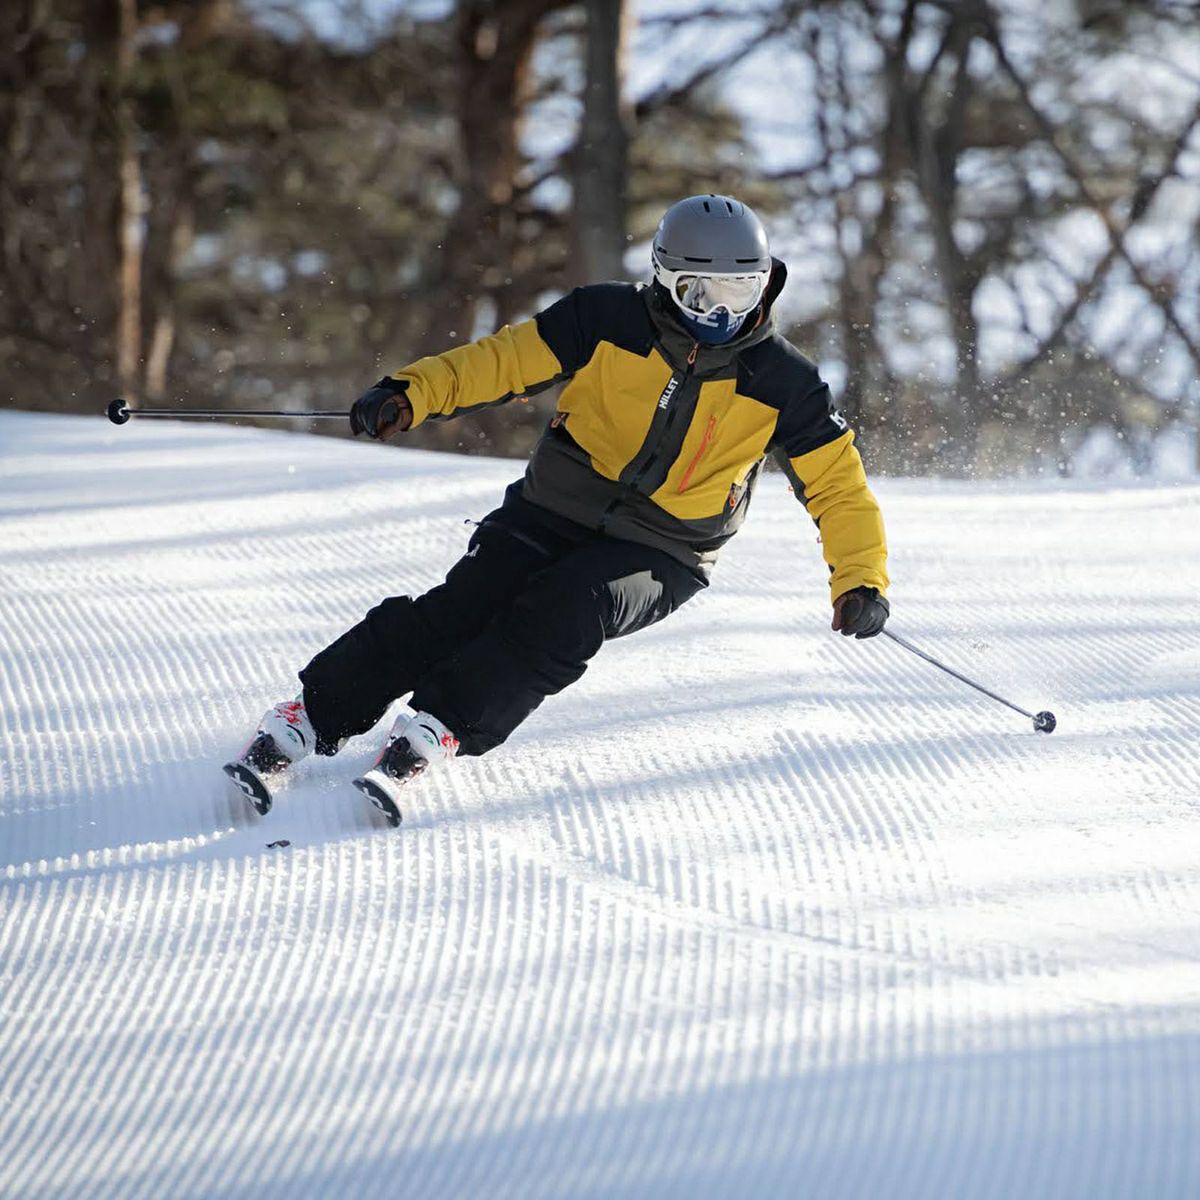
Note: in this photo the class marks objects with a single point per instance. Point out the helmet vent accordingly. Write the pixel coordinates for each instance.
(706, 206)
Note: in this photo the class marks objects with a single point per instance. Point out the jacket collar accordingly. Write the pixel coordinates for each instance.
(676, 342)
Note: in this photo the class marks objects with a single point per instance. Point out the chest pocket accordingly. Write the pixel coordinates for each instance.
(728, 437)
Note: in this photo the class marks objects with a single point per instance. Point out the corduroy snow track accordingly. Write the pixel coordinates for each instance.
(753, 910)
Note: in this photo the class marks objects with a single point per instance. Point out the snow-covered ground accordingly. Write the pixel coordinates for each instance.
(751, 911)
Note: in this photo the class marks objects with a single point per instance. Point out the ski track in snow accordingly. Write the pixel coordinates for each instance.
(752, 910)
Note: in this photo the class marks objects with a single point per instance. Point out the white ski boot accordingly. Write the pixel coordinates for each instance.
(415, 741)
(284, 736)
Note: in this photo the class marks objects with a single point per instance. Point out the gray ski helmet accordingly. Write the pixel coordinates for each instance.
(714, 235)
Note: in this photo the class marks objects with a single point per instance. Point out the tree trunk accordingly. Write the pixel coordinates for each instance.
(496, 39)
(110, 285)
(173, 178)
(24, 303)
(162, 286)
(129, 283)
(936, 150)
(601, 175)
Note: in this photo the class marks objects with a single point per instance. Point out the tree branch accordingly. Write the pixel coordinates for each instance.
(1116, 236)
(671, 94)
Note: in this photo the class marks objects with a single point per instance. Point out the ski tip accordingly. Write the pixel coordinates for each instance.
(379, 797)
(249, 786)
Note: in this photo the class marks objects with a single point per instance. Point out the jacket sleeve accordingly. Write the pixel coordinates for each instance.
(524, 359)
(512, 362)
(818, 455)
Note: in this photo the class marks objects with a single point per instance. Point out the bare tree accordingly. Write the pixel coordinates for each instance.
(111, 259)
(993, 248)
(481, 248)
(601, 156)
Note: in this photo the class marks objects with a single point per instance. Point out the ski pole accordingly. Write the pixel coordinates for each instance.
(119, 412)
(1043, 722)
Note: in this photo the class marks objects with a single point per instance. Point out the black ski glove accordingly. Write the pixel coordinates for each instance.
(378, 411)
(861, 612)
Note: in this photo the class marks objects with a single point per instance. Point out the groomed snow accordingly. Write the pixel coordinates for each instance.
(751, 911)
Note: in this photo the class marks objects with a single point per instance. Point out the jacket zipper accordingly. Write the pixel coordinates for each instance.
(691, 362)
(704, 443)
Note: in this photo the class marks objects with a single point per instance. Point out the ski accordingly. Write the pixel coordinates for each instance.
(375, 787)
(398, 764)
(251, 773)
(250, 786)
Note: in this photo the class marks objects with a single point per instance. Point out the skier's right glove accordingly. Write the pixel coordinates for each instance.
(381, 411)
(861, 612)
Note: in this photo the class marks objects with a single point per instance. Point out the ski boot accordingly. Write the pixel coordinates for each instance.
(284, 736)
(415, 741)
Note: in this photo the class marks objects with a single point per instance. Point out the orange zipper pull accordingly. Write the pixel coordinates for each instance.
(692, 356)
(710, 429)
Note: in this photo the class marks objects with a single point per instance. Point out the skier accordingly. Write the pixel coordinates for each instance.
(675, 393)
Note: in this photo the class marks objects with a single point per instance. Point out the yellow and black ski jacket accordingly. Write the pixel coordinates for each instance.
(660, 440)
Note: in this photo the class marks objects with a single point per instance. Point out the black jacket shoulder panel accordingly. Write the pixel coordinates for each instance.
(776, 373)
(603, 312)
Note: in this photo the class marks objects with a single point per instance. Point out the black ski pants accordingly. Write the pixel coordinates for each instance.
(516, 620)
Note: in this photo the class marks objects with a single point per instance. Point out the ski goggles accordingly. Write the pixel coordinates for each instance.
(704, 294)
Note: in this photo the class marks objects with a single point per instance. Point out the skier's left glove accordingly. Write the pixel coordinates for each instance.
(861, 612)
(381, 411)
